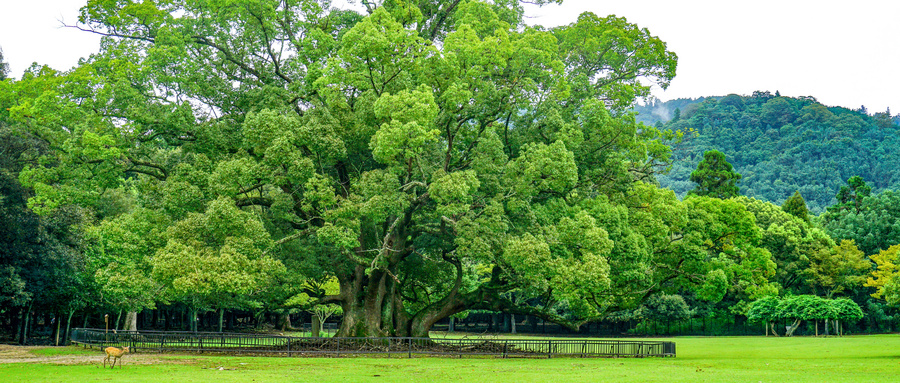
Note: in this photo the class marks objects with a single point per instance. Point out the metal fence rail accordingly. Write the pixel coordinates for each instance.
(167, 341)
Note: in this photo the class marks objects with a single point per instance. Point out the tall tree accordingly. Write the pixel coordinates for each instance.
(41, 265)
(852, 195)
(4, 67)
(796, 206)
(794, 244)
(886, 276)
(715, 177)
(429, 173)
(842, 268)
(874, 227)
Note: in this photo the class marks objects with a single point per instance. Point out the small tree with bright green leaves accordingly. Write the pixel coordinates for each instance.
(845, 310)
(765, 310)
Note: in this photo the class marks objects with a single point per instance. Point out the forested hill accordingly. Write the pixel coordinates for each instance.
(783, 144)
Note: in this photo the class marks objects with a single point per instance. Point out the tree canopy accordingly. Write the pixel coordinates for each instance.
(433, 157)
(408, 161)
(715, 177)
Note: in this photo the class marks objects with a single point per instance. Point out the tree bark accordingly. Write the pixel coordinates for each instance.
(316, 327)
(376, 309)
(192, 319)
(131, 321)
(221, 318)
(23, 334)
(58, 326)
(68, 325)
(284, 321)
(792, 328)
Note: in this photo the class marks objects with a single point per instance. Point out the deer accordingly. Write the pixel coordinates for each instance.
(115, 353)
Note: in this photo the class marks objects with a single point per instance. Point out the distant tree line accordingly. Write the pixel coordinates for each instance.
(781, 145)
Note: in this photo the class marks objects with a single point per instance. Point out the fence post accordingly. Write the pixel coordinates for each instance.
(549, 349)
(505, 344)
(410, 348)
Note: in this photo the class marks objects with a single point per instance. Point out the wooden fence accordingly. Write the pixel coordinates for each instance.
(237, 343)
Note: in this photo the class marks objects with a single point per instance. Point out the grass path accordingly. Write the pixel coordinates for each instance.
(714, 359)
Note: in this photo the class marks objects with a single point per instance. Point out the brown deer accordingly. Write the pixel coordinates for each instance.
(115, 353)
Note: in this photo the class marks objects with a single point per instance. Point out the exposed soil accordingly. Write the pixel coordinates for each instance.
(25, 354)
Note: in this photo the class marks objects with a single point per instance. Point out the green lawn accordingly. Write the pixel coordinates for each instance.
(718, 359)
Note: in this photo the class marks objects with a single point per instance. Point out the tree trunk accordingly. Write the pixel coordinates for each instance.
(118, 319)
(167, 320)
(131, 321)
(192, 319)
(23, 334)
(316, 326)
(772, 325)
(58, 326)
(373, 307)
(512, 323)
(284, 321)
(68, 326)
(221, 318)
(792, 328)
(450, 327)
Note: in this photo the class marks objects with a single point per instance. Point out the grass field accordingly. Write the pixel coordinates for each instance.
(715, 359)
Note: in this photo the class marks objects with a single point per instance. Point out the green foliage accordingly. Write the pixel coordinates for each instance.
(873, 226)
(764, 310)
(846, 310)
(783, 145)
(842, 268)
(885, 276)
(729, 240)
(796, 206)
(852, 195)
(794, 244)
(429, 158)
(215, 255)
(666, 307)
(803, 307)
(41, 265)
(715, 177)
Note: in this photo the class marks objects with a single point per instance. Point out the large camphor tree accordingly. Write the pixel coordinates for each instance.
(432, 156)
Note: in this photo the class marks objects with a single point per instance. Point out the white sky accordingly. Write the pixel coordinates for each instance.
(841, 52)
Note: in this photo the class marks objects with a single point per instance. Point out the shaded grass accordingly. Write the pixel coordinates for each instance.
(721, 359)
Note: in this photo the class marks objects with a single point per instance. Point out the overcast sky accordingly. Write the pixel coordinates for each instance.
(843, 53)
